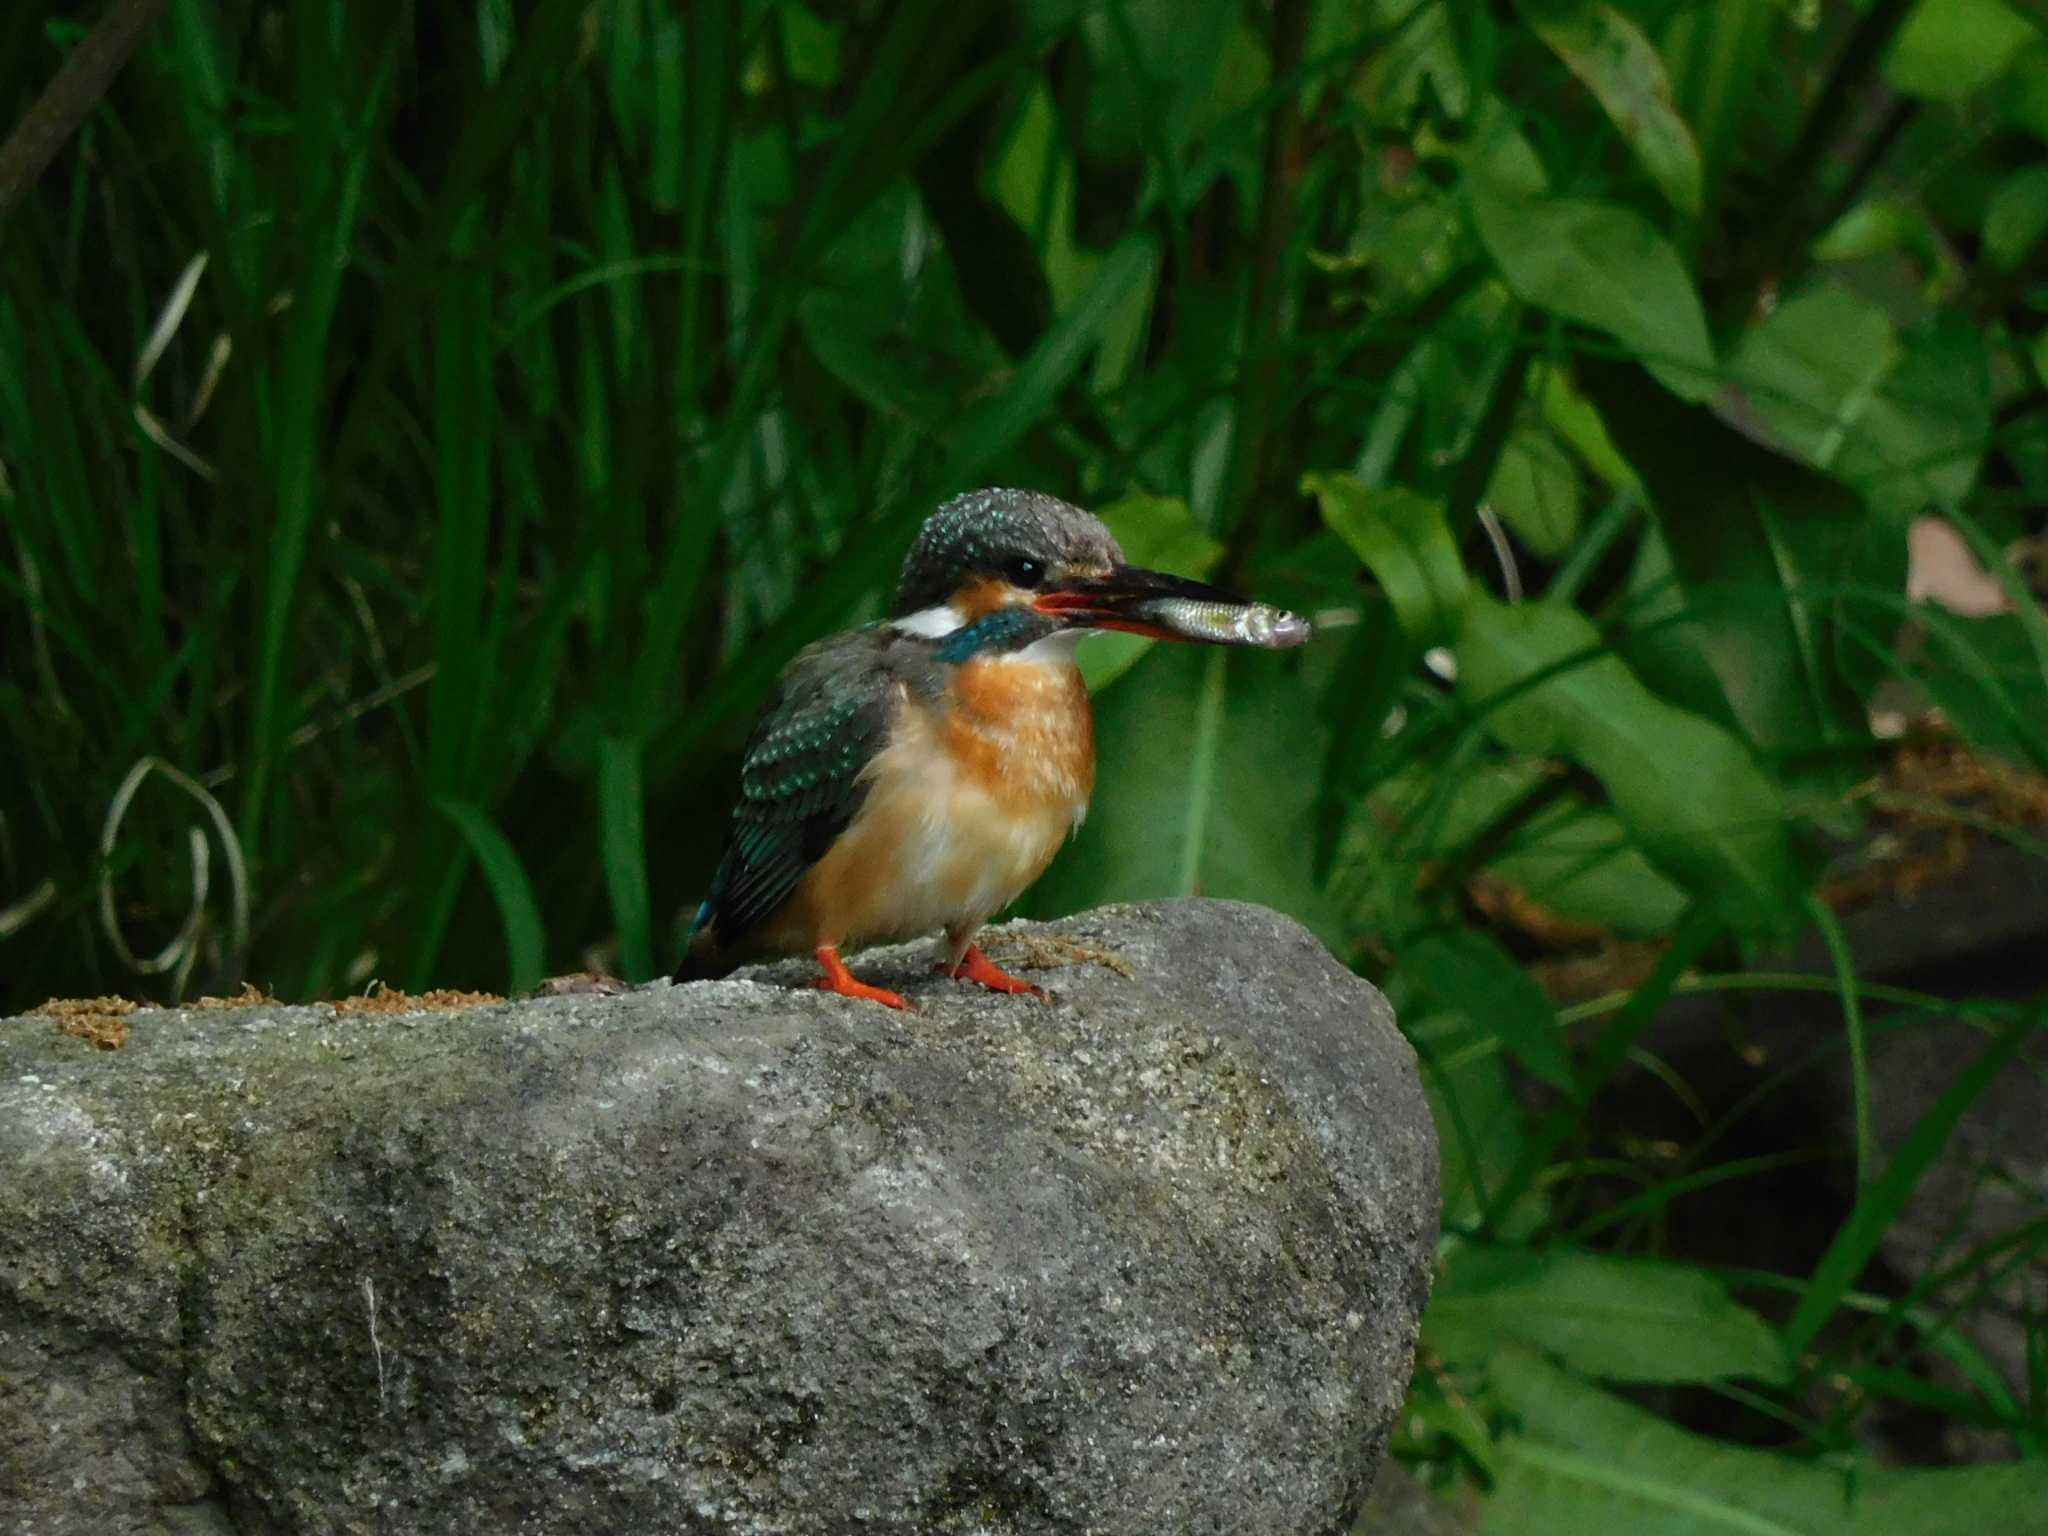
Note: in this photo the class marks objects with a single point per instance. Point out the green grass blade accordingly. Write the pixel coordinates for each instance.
(464, 423)
(622, 845)
(1852, 1018)
(1880, 1202)
(331, 205)
(525, 945)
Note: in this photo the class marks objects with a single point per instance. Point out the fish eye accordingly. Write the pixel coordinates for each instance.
(1026, 573)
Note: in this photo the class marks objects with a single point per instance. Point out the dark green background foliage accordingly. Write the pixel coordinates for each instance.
(426, 430)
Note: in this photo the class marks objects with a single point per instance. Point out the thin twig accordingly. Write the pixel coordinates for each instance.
(69, 99)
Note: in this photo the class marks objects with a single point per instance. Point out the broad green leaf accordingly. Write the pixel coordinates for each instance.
(1625, 73)
(811, 46)
(1810, 369)
(866, 350)
(1604, 267)
(1871, 228)
(1749, 534)
(1535, 491)
(1426, 64)
(1722, 60)
(1903, 420)
(1586, 1461)
(1481, 1125)
(1581, 864)
(2022, 98)
(1571, 859)
(1984, 675)
(525, 947)
(2017, 217)
(1461, 806)
(1923, 438)
(1695, 801)
(1949, 48)
(1157, 68)
(1626, 1319)
(1403, 540)
(1503, 158)
(1467, 972)
(1205, 785)
(1572, 416)
(1160, 534)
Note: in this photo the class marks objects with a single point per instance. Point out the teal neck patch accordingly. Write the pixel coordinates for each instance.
(1007, 629)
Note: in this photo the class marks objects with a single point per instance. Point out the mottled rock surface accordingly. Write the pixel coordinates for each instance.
(732, 1257)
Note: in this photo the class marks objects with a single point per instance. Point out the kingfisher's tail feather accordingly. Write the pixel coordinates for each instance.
(704, 959)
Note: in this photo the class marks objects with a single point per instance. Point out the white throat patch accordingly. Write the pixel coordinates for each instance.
(930, 623)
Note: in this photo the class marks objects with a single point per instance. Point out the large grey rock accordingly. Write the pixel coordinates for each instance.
(726, 1258)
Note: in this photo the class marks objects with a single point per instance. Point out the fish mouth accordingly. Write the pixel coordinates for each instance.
(1167, 607)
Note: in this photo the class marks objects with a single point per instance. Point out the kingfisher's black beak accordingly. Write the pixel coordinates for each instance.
(1166, 607)
(1129, 598)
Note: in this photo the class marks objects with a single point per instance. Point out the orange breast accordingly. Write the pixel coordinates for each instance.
(966, 806)
(1024, 731)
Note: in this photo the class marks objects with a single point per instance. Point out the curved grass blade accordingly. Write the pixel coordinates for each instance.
(1880, 1203)
(525, 946)
(622, 847)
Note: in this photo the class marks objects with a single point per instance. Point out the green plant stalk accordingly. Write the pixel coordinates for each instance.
(1852, 1018)
(1785, 202)
(330, 212)
(1700, 929)
(487, 137)
(1252, 444)
(1614, 520)
(1880, 1203)
(623, 850)
(1489, 436)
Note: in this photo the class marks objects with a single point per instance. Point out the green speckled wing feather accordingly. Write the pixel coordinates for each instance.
(800, 782)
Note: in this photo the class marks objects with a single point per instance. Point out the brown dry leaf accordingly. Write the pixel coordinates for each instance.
(390, 1000)
(100, 1020)
(1503, 902)
(1618, 965)
(251, 996)
(1943, 768)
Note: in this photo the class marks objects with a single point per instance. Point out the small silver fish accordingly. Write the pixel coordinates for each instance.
(1254, 624)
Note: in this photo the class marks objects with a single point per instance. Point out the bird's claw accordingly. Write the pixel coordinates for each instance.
(977, 967)
(839, 979)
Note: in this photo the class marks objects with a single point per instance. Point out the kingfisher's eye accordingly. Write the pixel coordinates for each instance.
(1026, 573)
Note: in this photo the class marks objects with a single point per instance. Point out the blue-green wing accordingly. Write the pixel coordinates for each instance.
(800, 782)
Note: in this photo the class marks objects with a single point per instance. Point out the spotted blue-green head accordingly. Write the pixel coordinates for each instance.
(1022, 539)
(1003, 568)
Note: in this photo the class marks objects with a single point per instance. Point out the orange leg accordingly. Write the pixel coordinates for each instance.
(838, 978)
(973, 965)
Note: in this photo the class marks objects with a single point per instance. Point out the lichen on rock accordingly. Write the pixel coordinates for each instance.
(731, 1257)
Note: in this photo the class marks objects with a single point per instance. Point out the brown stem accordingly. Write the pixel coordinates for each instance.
(69, 99)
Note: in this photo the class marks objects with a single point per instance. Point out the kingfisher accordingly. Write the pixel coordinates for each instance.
(915, 775)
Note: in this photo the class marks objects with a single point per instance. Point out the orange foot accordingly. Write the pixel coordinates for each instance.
(975, 966)
(838, 978)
